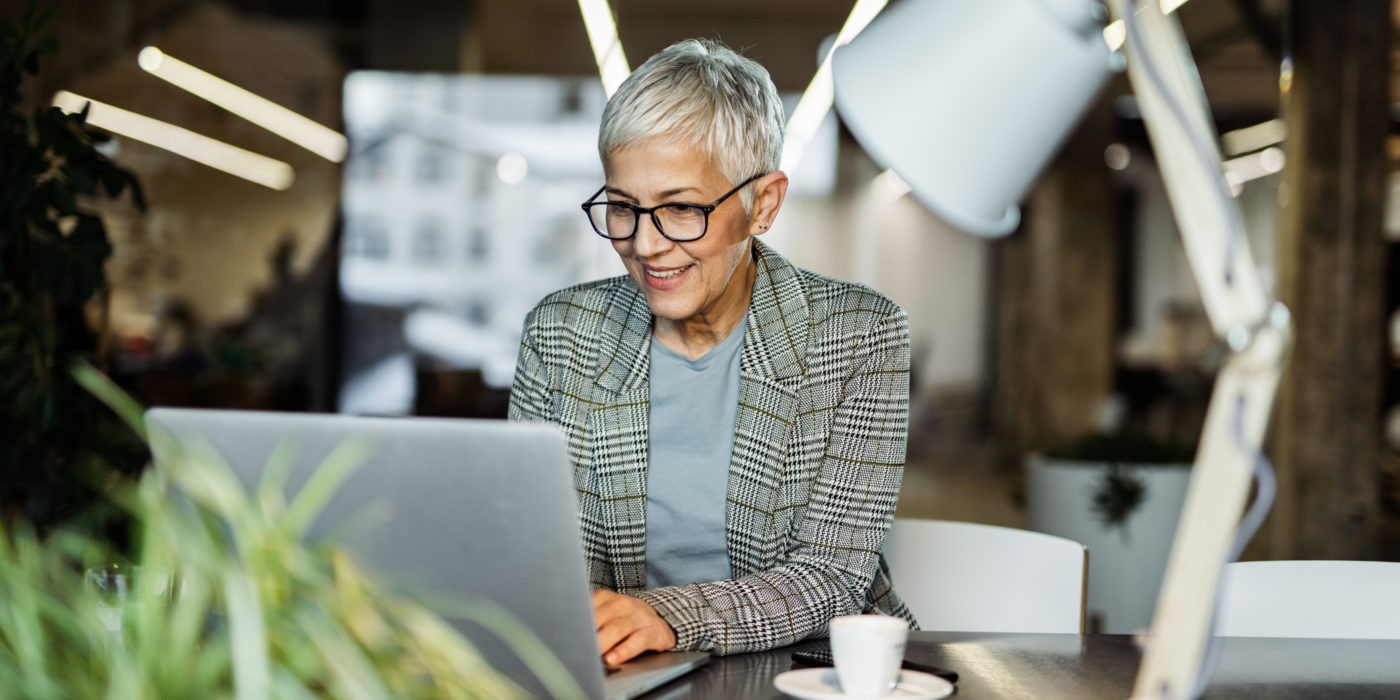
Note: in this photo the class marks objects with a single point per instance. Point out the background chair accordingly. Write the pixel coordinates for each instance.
(982, 578)
(1335, 599)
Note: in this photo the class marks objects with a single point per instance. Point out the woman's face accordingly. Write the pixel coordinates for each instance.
(702, 279)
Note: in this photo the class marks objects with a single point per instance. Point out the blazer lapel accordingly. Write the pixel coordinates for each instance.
(617, 428)
(771, 374)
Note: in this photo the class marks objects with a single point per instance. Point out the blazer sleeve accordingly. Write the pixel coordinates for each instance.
(529, 391)
(835, 551)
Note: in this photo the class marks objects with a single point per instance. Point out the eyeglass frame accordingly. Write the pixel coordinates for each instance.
(637, 212)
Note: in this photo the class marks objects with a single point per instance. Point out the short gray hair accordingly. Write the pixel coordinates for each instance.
(702, 94)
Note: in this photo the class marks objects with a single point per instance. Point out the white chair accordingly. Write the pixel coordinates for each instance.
(965, 577)
(1314, 599)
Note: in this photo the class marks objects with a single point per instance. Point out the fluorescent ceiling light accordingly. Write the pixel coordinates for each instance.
(215, 154)
(807, 117)
(1254, 166)
(607, 48)
(1253, 138)
(304, 132)
(1115, 33)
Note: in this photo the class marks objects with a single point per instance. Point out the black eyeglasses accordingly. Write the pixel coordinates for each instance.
(618, 221)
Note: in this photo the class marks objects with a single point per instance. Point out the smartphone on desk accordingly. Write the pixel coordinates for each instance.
(822, 657)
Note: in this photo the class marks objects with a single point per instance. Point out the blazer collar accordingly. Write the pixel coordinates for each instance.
(775, 337)
(624, 356)
(775, 340)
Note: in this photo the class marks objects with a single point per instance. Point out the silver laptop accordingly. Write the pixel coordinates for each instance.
(448, 509)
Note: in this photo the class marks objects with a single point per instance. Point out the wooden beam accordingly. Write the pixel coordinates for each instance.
(1327, 434)
(1056, 304)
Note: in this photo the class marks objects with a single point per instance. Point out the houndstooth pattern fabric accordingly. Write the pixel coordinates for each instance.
(817, 461)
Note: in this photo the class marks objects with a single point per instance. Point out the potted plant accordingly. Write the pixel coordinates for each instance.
(224, 600)
(1120, 494)
(58, 446)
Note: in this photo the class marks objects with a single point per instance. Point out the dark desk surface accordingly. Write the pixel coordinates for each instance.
(1088, 667)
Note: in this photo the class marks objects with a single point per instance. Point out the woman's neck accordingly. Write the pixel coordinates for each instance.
(697, 335)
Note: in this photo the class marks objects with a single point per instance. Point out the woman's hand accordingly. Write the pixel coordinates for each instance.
(628, 626)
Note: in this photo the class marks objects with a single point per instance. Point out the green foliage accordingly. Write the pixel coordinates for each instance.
(1118, 492)
(1124, 446)
(230, 603)
(56, 442)
(1116, 495)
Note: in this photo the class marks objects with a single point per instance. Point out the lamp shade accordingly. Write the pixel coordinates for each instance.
(967, 100)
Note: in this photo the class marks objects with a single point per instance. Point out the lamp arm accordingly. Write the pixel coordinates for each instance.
(1255, 328)
(1173, 106)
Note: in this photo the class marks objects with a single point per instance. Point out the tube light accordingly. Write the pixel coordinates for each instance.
(807, 116)
(1254, 166)
(607, 48)
(213, 153)
(1253, 138)
(318, 139)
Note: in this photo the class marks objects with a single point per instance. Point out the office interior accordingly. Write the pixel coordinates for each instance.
(393, 281)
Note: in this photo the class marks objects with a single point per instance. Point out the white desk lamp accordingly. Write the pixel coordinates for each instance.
(967, 100)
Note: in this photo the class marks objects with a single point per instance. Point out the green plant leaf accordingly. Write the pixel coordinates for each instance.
(317, 492)
(138, 193)
(1123, 446)
(47, 48)
(107, 391)
(32, 23)
(79, 178)
(1117, 495)
(16, 200)
(251, 677)
(114, 180)
(352, 675)
(72, 265)
(61, 197)
(271, 488)
(518, 637)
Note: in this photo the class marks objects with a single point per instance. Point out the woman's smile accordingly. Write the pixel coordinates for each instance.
(698, 290)
(666, 278)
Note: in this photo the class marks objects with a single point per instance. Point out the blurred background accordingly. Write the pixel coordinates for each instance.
(395, 281)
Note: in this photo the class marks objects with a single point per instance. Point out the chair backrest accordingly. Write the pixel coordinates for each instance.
(966, 577)
(1332, 599)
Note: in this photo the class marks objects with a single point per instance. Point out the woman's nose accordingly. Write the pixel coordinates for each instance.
(648, 240)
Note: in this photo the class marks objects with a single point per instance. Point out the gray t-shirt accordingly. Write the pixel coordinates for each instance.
(693, 407)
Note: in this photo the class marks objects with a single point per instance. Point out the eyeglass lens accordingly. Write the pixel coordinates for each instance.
(682, 222)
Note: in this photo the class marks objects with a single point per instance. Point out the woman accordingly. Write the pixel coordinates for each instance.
(736, 425)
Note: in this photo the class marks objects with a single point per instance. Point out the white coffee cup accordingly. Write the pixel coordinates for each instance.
(868, 651)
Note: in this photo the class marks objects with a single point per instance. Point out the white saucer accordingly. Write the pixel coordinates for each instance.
(821, 684)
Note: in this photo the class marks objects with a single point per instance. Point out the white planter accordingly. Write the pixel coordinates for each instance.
(1125, 567)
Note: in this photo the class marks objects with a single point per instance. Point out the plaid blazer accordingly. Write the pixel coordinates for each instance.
(817, 460)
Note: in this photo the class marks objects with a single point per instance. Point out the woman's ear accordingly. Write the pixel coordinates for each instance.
(768, 194)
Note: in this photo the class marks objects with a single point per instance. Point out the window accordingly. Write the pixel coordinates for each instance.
(367, 237)
(432, 165)
(478, 246)
(429, 246)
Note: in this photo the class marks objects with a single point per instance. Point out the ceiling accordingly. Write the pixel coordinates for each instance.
(1237, 43)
